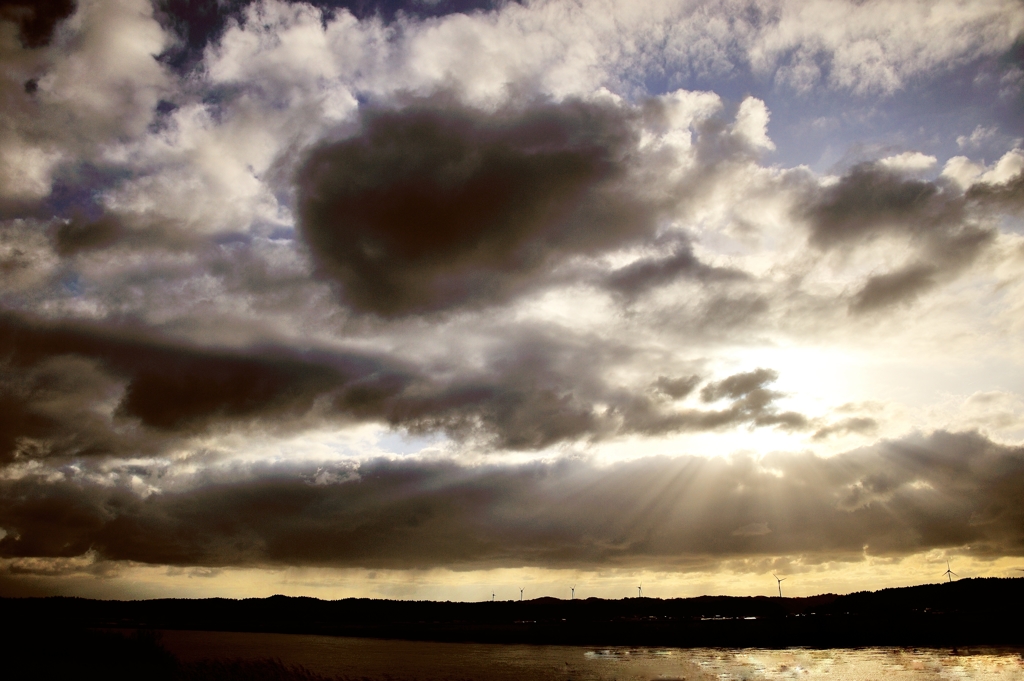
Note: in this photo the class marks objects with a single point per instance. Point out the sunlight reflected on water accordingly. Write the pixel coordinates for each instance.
(373, 659)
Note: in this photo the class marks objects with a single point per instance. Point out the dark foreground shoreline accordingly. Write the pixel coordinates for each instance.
(970, 612)
(178, 655)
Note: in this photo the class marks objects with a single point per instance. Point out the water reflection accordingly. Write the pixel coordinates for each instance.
(401, 660)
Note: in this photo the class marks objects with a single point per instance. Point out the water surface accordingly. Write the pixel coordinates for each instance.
(407, 660)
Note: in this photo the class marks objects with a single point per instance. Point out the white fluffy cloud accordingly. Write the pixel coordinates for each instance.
(966, 172)
(911, 161)
(876, 46)
(97, 83)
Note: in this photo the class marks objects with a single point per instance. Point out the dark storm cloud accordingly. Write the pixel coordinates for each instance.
(894, 498)
(941, 222)
(437, 205)
(80, 390)
(56, 379)
(171, 387)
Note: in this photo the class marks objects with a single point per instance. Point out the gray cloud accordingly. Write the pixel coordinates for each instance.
(888, 289)
(945, 226)
(437, 204)
(1007, 195)
(738, 385)
(538, 391)
(80, 234)
(111, 230)
(854, 424)
(751, 404)
(644, 274)
(871, 200)
(677, 388)
(79, 390)
(946, 490)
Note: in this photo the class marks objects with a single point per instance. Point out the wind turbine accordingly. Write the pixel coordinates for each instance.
(640, 590)
(949, 573)
(780, 581)
(492, 597)
(521, 594)
(572, 596)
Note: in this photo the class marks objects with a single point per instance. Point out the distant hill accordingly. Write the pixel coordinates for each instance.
(966, 612)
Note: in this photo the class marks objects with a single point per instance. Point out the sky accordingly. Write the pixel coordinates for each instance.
(447, 299)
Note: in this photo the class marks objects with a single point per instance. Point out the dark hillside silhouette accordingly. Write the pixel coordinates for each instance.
(966, 612)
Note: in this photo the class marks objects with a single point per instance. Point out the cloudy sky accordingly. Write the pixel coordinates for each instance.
(445, 298)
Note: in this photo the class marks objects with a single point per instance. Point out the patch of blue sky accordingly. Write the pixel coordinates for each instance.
(830, 129)
(402, 443)
(927, 115)
(72, 284)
